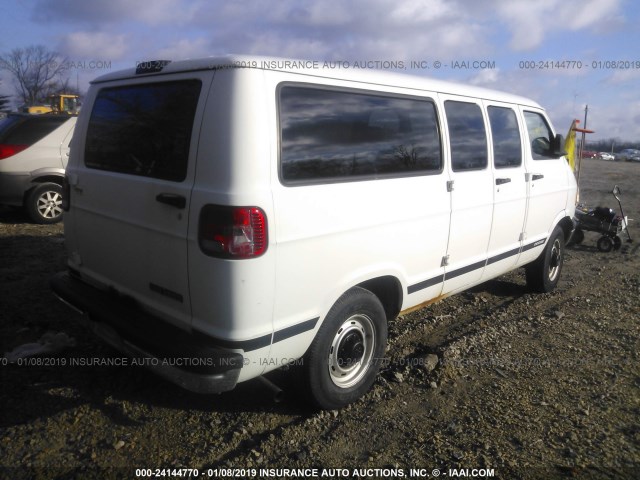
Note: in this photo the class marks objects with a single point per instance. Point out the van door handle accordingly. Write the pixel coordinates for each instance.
(537, 176)
(500, 181)
(172, 199)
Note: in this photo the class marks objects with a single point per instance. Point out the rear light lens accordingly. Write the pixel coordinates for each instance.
(232, 232)
(7, 151)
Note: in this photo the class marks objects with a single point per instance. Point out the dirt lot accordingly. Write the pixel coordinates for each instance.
(526, 386)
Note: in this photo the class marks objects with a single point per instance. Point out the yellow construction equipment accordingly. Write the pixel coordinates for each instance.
(61, 103)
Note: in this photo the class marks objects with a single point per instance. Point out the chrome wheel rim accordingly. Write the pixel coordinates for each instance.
(351, 351)
(49, 205)
(554, 260)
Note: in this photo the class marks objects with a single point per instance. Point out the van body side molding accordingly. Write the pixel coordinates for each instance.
(266, 340)
(470, 268)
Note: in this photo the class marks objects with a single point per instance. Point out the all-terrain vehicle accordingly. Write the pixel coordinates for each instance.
(603, 220)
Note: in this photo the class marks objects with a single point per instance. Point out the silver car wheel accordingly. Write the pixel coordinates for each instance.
(49, 205)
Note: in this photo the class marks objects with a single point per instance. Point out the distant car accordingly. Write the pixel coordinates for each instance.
(629, 155)
(589, 154)
(606, 156)
(34, 150)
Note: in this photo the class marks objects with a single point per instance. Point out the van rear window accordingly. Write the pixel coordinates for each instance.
(338, 135)
(143, 129)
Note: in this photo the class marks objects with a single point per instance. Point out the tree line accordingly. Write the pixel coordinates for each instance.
(611, 143)
(36, 73)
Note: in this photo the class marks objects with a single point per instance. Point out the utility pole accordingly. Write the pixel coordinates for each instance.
(581, 149)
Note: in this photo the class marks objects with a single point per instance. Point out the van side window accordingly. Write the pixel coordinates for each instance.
(143, 129)
(507, 148)
(539, 136)
(467, 135)
(339, 135)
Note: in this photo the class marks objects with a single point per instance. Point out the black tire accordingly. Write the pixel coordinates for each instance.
(605, 244)
(544, 273)
(578, 236)
(44, 203)
(344, 357)
(617, 242)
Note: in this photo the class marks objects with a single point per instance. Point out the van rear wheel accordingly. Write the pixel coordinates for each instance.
(344, 358)
(544, 273)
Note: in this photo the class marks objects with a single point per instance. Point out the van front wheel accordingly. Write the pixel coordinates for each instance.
(344, 358)
(544, 273)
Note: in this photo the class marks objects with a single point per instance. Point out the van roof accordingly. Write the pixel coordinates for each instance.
(316, 68)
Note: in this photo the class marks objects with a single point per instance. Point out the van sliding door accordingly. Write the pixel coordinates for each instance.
(471, 193)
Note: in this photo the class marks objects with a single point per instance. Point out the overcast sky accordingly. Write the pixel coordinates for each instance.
(562, 53)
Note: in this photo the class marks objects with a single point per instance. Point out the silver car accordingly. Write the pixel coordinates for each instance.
(629, 155)
(34, 150)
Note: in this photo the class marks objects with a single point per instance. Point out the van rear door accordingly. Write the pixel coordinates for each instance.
(131, 176)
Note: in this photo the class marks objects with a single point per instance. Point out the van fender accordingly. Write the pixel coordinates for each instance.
(532, 254)
(564, 220)
(386, 281)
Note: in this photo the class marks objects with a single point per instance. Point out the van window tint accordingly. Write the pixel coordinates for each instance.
(507, 149)
(329, 135)
(143, 129)
(467, 135)
(539, 136)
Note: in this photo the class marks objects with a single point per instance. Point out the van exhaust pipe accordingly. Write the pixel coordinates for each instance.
(276, 392)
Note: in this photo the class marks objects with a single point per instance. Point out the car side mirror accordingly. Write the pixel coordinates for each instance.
(540, 146)
(557, 146)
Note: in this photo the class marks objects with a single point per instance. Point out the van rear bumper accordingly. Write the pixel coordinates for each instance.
(191, 360)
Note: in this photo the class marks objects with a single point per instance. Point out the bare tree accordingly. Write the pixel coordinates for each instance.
(36, 72)
(4, 102)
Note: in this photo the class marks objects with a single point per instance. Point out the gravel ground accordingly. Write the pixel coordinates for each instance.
(494, 379)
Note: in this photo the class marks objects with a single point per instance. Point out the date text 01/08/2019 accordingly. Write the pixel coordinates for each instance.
(579, 65)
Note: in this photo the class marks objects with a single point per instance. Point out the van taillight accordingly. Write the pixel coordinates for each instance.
(7, 151)
(232, 232)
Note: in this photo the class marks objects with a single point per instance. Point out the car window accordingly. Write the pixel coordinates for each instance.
(539, 136)
(338, 135)
(467, 135)
(17, 130)
(143, 129)
(507, 148)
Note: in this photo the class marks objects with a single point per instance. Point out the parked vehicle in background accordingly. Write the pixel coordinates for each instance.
(33, 155)
(606, 156)
(629, 155)
(589, 154)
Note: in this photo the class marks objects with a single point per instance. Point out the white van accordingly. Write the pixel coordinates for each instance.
(230, 215)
